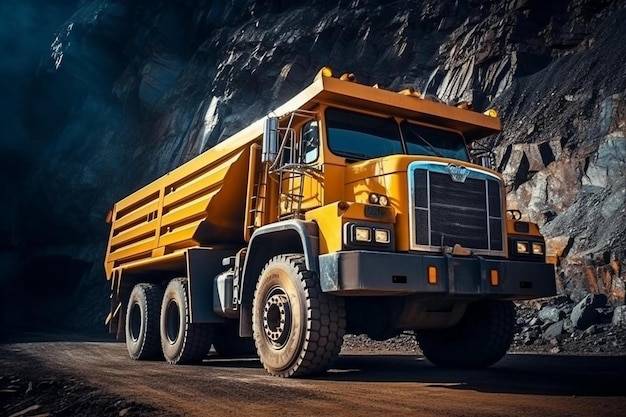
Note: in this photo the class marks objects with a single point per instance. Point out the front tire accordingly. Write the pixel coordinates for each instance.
(142, 322)
(298, 330)
(481, 339)
(182, 342)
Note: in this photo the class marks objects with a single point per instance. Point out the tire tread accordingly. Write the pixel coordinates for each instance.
(325, 315)
(197, 337)
(150, 349)
(481, 339)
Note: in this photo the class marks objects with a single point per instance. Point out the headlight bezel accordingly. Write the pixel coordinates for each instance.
(376, 241)
(532, 245)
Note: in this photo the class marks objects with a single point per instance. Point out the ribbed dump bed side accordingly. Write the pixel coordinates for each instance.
(201, 201)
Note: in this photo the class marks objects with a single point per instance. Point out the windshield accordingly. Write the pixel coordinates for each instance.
(424, 140)
(361, 136)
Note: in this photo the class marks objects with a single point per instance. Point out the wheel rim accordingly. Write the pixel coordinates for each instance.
(277, 317)
(172, 321)
(135, 322)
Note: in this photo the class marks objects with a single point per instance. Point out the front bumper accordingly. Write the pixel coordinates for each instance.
(383, 273)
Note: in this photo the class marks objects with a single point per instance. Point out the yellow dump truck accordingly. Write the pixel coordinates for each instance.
(349, 209)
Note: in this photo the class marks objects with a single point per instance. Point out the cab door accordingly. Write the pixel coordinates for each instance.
(300, 177)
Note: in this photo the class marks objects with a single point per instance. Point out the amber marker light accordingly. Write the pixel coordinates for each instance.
(324, 72)
(432, 275)
(491, 113)
(494, 276)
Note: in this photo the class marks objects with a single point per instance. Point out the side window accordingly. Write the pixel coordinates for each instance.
(310, 142)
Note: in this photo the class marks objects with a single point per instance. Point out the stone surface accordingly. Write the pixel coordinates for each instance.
(555, 330)
(559, 245)
(601, 337)
(568, 325)
(619, 316)
(550, 314)
(585, 312)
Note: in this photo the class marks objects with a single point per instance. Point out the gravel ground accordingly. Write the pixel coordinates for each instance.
(28, 388)
(601, 338)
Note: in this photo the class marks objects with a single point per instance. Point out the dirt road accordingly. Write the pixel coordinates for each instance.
(360, 384)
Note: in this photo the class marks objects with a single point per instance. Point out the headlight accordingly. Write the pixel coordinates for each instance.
(378, 199)
(521, 247)
(538, 248)
(381, 236)
(362, 234)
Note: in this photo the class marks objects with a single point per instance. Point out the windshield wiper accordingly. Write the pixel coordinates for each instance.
(431, 147)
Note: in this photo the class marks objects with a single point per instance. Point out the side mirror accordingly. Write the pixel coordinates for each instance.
(485, 160)
(310, 142)
(270, 140)
(482, 155)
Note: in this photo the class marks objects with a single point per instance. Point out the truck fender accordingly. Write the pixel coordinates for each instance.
(288, 236)
(203, 266)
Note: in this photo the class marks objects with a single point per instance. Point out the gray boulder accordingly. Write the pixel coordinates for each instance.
(554, 331)
(585, 313)
(551, 314)
(619, 316)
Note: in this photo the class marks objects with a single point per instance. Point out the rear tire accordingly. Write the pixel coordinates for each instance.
(142, 322)
(298, 329)
(228, 343)
(181, 341)
(481, 339)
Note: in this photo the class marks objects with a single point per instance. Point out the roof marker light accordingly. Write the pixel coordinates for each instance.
(491, 113)
(324, 72)
(347, 77)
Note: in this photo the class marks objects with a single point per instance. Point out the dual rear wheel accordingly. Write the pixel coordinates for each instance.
(142, 322)
(182, 342)
(158, 325)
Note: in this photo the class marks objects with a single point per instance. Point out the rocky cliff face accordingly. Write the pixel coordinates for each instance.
(118, 93)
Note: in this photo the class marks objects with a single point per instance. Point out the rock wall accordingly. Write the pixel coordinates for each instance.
(563, 154)
(121, 92)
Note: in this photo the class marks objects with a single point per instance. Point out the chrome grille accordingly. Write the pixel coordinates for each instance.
(446, 212)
